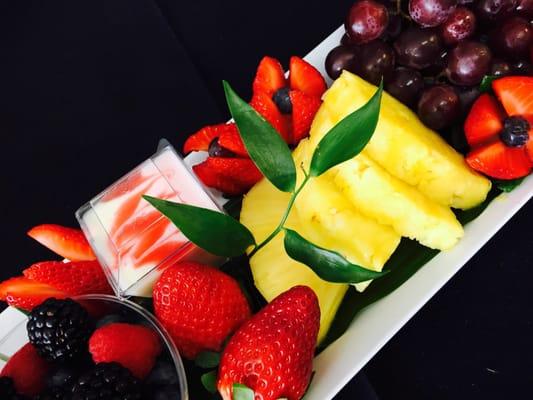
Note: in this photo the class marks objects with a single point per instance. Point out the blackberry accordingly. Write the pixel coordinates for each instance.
(7, 390)
(59, 329)
(107, 381)
(52, 394)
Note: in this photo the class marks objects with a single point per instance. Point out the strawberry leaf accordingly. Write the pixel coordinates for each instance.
(486, 83)
(242, 392)
(264, 144)
(207, 359)
(346, 139)
(209, 380)
(328, 265)
(213, 231)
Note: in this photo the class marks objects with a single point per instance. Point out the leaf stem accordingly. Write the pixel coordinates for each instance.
(3, 357)
(283, 218)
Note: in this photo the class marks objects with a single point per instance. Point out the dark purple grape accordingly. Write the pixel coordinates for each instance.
(340, 58)
(491, 10)
(500, 68)
(525, 8)
(215, 150)
(513, 38)
(462, 2)
(460, 26)
(522, 68)
(375, 60)
(468, 63)
(428, 13)
(439, 106)
(467, 96)
(437, 68)
(394, 27)
(345, 40)
(405, 84)
(418, 48)
(366, 21)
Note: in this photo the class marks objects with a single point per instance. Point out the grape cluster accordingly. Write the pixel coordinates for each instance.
(433, 54)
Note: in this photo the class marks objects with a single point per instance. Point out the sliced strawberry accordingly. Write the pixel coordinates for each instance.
(304, 108)
(24, 293)
(232, 176)
(67, 242)
(484, 121)
(231, 140)
(74, 278)
(265, 106)
(201, 140)
(269, 77)
(500, 161)
(306, 78)
(515, 94)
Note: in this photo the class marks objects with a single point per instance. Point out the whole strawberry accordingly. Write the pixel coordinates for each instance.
(272, 353)
(200, 306)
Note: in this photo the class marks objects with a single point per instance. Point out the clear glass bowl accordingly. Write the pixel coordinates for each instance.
(16, 337)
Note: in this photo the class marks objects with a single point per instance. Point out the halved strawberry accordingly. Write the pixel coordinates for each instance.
(304, 108)
(232, 176)
(269, 77)
(67, 242)
(265, 106)
(515, 94)
(306, 78)
(74, 278)
(25, 293)
(484, 121)
(201, 140)
(500, 161)
(231, 140)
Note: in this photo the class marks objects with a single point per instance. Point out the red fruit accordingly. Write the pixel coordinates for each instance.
(200, 306)
(231, 140)
(67, 242)
(74, 278)
(515, 93)
(304, 108)
(269, 77)
(201, 140)
(24, 293)
(306, 78)
(484, 120)
(500, 161)
(273, 352)
(135, 347)
(28, 371)
(265, 106)
(231, 176)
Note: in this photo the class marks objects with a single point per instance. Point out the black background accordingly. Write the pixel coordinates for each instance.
(87, 87)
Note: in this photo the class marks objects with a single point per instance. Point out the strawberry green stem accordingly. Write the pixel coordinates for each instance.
(4, 358)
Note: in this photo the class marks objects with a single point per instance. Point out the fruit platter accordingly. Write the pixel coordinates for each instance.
(276, 253)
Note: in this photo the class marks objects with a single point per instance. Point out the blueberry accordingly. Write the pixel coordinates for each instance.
(515, 131)
(283, 100)
(163, 373)
(215, 150)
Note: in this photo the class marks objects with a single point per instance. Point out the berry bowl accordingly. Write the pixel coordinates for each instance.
(163, 378)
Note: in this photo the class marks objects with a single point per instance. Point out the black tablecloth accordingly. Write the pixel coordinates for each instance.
(88, 87)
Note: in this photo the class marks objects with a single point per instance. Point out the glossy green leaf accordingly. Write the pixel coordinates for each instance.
(264, 144)
(486, 83)
(207, 359)
(242, 392)
(327, 264)
(213, 231)
(209, 380)
(346, 139)
(508, 186)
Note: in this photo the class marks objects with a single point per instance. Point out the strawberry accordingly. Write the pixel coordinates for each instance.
(67, 242)
(135, 347)
(265, 106)
(74, 278)
(201, 140)
(515, 93)
(304, 108)
(484, 120)
(26, 294)
(28, 371)
(500, 161)
(199, 305)
(232, 176)
(269, 77)
(230, 139)
(306, 78)
(273, 352)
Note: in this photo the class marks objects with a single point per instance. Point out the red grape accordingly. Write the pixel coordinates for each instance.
(525, 8)
(490, 10)
(340, 58)
(460, 25)
(418, 48)
(513, 38)
(429, 13)
(375, 60)
(366, 21)
(439, 106)
(468, 62)
(405, 84)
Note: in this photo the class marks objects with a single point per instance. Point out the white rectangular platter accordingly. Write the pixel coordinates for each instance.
(378, 323)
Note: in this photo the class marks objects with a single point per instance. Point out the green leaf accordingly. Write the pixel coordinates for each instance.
(207, 359)
(264, 144)
(508, 186)
(346, 139)
(213, 231)
(209, 380)
(327, 264)
(242, 392)
(465, 216)
(486, 83)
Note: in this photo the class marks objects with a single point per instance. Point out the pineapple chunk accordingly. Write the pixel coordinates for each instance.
(273, 270)
(404, 146)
